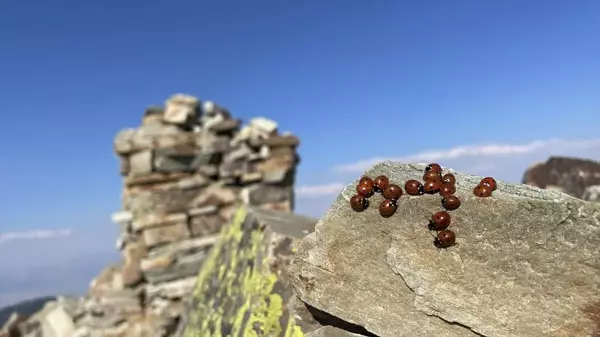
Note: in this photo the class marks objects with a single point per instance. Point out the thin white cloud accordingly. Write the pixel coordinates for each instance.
(40, 234)
(472, 151)
(319, 190)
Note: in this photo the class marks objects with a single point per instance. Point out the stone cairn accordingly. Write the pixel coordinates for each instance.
(185, 169)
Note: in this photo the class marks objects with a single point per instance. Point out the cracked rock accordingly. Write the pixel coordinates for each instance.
(527, 263)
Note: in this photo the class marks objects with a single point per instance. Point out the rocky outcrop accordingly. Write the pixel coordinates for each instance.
(577, 177)
(186, 170)
(243, 288)
(527, 263)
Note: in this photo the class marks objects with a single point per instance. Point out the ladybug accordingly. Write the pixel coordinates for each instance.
(451, 202)
(359, 203)
(414, 187)
(439, 221)
(449, 178)
(387, 208)
(380, 183)
(430, 175)
(447, 190)
(445, 239)
(482, 191)
(364, 190)
(431, 186)
(392, 192)
(490, 182)
(435, 167)
(365, 180)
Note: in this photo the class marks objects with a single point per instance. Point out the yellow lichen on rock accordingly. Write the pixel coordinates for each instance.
(236, 291)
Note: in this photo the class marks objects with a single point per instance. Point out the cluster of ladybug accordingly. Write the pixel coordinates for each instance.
(433, 182)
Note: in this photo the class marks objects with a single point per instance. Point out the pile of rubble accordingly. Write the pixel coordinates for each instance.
(186, 170)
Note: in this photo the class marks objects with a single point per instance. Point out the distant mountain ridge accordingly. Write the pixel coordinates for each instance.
(24, 308)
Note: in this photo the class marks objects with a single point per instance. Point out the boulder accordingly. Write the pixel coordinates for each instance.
(572, 175)
(527, 263)
(243, 287)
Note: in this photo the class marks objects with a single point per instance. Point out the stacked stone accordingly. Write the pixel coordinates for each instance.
(186, 169)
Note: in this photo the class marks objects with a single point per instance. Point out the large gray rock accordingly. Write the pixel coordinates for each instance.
(527, 263)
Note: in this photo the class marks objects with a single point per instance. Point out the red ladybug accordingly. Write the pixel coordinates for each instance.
(439, 221)
(380, 183)
(431, 186)
(365, 180)
(392, 192)
(359, 203)
(490, 182)
(435, 167)
(445, 239)
(449, 178)
(414, 187)
(450, 202)
(434, 176)
(387, 208)
(447, 190)
(365, 190)
(482, 191)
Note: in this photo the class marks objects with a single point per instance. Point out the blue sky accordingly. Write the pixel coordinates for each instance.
(353, 79)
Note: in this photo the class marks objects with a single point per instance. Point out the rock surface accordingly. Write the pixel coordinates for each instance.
(243, 288)
(527, 263)
(574, 176)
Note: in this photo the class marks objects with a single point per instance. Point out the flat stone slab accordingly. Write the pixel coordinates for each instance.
(527, 263)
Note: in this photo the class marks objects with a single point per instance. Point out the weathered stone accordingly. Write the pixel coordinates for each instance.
(231, 169)
(205, 224)
(181, 109)
(226, 126)
(210, 108)
(214, 195)
(572, 174)
(158, 220)
(184, 266)
(511, 274)
(185, 247)
(592, 193)
(140, 163)
(256, 247)
(125, 167)
(183, 139)
(205, 210)
(122, 217)
(263, 125)
(276, 141)
(108, 281)
(56, 322)
(172, 290)
(157, 262)
(160, 201)
(253, 177)
(165, 234)
(129, 141)
(329, 331)
(153, 115)
(266, 194)
(131, 272)
(176, 159)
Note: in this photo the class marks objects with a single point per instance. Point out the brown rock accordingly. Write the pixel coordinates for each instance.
(215, 195)
(267, 194)
(205, 224)
(153, 220)
(572, 175)
(132, 255)
(108, 281)
(226, 126)
(157, 262)
(156, 178)
(277, 141)
(165, 234)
